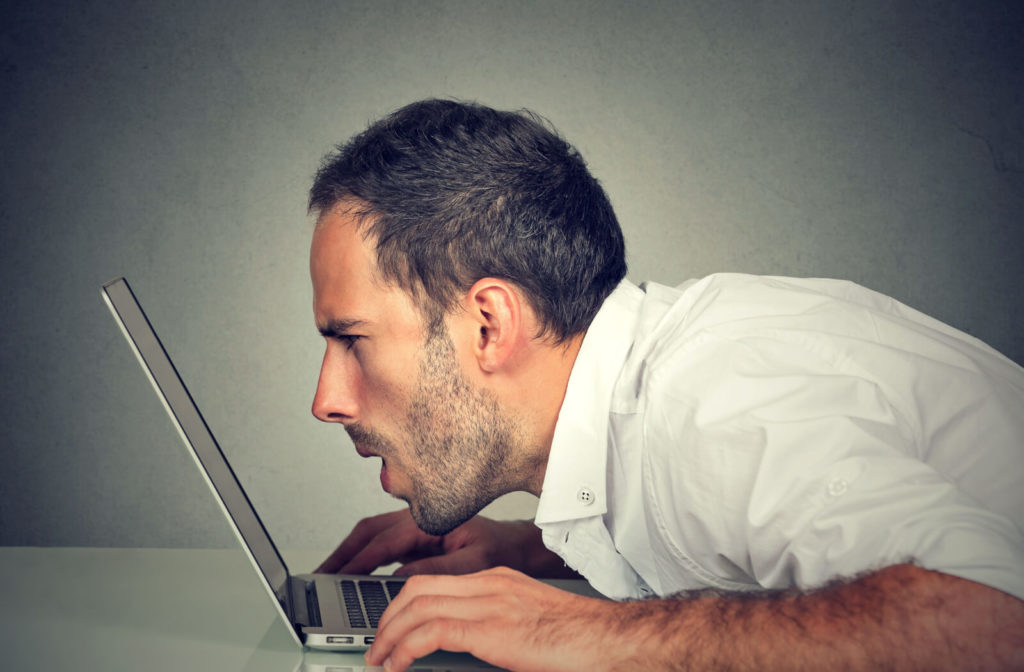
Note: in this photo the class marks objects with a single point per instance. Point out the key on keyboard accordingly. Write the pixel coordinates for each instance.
(374, 600)
(376, 595)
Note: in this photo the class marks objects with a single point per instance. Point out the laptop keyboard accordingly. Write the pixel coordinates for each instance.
(365, 601)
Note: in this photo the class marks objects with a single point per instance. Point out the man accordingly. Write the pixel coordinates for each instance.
(777, 473)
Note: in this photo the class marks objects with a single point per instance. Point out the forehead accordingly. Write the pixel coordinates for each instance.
(346, 283)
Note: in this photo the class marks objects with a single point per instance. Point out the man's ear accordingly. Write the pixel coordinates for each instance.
(496, 308)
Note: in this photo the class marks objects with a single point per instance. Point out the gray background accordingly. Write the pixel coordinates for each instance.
(173, 142)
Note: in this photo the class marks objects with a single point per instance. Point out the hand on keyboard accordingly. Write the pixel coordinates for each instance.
(480, 543)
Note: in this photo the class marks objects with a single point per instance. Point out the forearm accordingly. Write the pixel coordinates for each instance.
(901, 618)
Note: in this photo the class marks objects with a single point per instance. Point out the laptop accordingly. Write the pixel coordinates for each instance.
(322, 611)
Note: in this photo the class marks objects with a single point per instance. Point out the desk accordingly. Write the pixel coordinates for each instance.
(106, 609)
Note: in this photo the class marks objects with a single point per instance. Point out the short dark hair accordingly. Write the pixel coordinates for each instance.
(454, 192)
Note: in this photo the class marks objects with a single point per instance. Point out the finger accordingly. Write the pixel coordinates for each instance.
(441, 634)
(462, 561)
(395, 544)
(500, 627)
(480, 584)
(364, 531)
(433, 622)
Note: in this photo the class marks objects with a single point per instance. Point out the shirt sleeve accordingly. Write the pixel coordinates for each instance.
(770, 464)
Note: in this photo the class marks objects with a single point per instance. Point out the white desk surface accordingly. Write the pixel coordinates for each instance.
(153, 609)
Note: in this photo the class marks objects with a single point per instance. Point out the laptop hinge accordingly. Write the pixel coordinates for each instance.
(299, 601)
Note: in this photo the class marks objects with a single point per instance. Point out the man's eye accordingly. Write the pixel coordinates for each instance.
(348, 340)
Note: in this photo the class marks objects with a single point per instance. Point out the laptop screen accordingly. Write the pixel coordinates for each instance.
(182, 409)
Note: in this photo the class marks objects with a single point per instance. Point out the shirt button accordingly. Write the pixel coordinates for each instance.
(585, 496)
(837, 486)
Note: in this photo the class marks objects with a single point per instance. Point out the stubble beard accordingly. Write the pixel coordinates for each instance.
(463, 442)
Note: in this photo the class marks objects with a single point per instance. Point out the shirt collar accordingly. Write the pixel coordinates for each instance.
(574, 481)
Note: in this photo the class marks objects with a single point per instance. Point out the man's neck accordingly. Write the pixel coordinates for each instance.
(542, 401)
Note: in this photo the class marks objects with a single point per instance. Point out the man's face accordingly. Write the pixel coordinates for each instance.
(397, 385)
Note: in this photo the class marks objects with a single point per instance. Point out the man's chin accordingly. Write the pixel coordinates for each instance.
(432, 522)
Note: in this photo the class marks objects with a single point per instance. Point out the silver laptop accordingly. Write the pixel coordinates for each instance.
(323, 611)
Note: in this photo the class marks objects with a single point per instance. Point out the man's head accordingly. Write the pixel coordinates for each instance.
(459, 255)
(453, 192)
(406, 392)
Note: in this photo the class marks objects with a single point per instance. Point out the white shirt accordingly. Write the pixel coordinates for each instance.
(744, 432)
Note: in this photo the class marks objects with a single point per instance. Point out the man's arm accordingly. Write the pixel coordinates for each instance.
(902, 617)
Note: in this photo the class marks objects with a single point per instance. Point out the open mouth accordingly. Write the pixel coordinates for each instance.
(385, 478)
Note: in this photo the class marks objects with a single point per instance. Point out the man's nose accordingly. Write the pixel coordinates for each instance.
(335, 399)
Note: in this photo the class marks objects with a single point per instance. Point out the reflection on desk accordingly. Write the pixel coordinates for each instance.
(153, 609)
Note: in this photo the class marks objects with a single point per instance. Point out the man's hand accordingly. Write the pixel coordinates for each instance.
(480, 543)
(902, 617)
(501, 616)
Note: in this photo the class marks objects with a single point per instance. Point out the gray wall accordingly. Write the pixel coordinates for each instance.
(173, 142)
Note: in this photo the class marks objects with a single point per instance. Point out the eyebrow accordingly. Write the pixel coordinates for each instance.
(336, 328)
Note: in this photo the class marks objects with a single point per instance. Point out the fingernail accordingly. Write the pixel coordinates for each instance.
(387, 664)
